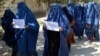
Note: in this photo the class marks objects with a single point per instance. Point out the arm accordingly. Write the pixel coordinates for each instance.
(32, 26)
(72, 23)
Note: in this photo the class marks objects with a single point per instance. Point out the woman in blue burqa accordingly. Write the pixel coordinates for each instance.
(92, 21)
(79, 21)
(55, 41)
(9, 34)
(27, 38)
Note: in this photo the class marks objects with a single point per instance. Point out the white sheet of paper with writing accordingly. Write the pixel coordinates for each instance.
(19, 23)
(53, 26)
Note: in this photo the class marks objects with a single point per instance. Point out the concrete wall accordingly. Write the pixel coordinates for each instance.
(32, 4)
(38, 10)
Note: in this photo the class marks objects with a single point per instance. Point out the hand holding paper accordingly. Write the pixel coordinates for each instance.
(60, 29)
(52, 26)
(26, 26)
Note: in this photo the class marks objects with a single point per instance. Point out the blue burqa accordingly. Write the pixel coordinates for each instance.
(79, 20)
(57, 15)
(26, 38)
(6, 22)
(92, 19)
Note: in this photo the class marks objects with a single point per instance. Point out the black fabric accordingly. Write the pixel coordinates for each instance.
(6, 23)
(54, 43)
(9, 34)
(14, 49)
(70, 18)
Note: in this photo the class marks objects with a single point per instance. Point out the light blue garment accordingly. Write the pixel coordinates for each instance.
(71, 8)
(90, 12)
(57, 15)
(96, 15)
(96, 23)
(92, 17)
(27, 38)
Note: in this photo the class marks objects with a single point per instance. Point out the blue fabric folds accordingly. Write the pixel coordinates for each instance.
(27, 38)
(57, 15)
(71, 8)
(79, 20)
(92, 19)
(6, 23)
(91, 13)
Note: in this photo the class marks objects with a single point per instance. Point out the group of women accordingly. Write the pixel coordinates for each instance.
(71, 19)
(21, 40)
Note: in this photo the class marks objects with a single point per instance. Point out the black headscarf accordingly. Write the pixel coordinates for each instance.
(7, 19)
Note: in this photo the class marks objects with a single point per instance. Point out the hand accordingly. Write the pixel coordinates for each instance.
(44, 26)
(61, 29)
(12, 23)
(26, 26)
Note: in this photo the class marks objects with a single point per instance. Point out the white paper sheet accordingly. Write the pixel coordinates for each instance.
(52, 26)
(19, 23)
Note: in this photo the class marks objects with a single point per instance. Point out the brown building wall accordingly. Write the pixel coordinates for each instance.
(34, 6)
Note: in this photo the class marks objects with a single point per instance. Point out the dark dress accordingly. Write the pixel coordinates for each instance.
(53, 42)
(9, 34)
(79, 20)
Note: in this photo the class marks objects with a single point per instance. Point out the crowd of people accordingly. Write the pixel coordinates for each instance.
(72, 19)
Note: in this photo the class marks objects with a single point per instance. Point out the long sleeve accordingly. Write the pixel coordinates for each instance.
(33, 26)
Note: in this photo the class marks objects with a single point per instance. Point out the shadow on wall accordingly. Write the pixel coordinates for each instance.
(40, 14)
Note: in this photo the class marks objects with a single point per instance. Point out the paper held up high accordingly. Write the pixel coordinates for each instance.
(19, 23)
(53, 26)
